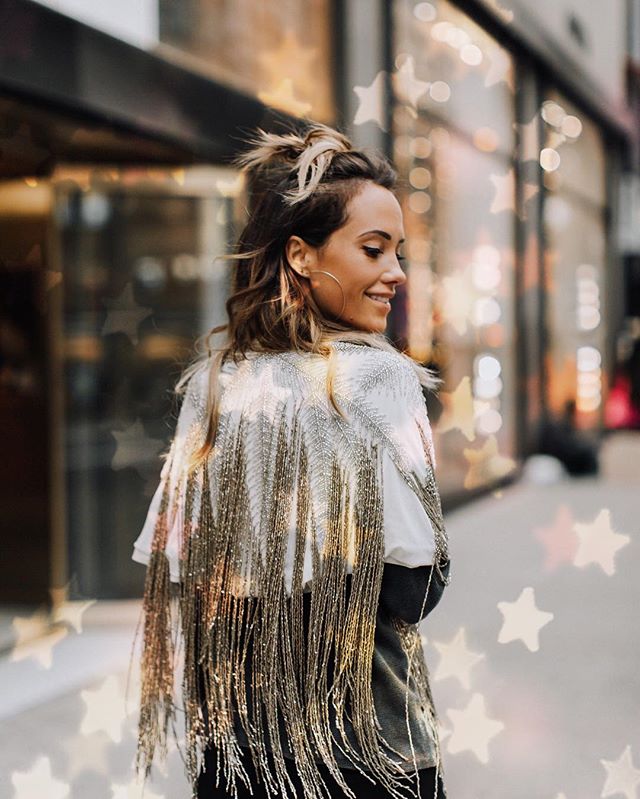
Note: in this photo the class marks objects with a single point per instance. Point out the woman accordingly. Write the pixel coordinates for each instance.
(297, 514)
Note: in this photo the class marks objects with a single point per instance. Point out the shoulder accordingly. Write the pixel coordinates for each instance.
(364, 358)
(376, 372)
(193, 386)
(383, 395)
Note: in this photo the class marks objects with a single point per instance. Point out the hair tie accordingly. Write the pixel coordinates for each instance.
(321, 145)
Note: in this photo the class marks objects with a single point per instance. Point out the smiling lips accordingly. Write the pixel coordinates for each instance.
(381, 299)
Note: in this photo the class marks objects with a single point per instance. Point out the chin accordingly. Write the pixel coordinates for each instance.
(375, 326)
(379, 325)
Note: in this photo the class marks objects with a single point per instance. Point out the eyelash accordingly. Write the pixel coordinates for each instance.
(369, 250)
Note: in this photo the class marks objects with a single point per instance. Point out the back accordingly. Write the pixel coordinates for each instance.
(300, 508)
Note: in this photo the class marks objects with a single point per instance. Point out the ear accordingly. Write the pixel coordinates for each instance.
(300, 255)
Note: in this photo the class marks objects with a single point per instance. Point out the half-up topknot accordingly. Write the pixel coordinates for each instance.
(270, 308)
(312, 152)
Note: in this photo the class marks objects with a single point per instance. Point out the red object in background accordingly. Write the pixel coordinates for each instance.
(619, 412)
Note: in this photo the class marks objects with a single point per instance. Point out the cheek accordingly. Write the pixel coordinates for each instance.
(359, 278)
(353, 278)
(356, 274)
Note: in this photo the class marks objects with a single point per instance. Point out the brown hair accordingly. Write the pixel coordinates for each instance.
(300, 184)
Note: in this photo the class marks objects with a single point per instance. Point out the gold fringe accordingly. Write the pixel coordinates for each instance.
(223, 562)
(156, 690)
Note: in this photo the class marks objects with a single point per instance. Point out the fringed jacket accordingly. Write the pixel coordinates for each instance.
(285, 548)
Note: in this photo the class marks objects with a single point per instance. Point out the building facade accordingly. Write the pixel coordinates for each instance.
(514, 132)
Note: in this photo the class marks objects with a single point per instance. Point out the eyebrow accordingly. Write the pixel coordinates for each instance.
(382, 233)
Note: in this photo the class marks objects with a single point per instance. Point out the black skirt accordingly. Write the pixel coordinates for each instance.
(360, 785)
(404, 595)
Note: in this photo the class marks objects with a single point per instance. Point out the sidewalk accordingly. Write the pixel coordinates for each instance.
(532, 705)
(549, 698)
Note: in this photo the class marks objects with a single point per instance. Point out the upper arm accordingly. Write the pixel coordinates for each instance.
(391, 402)
(408, 532)
(172, 483)
(403, 591)
(414, 535)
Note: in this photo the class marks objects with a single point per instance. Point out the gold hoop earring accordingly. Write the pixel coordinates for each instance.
(344, 299)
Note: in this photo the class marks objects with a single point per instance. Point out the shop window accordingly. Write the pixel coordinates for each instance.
(141, 280)
(279, 52)
(453, 132)
(575, 257)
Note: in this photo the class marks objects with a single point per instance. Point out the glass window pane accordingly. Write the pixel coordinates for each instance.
(575, 261)
(141, 282)
(457, 189)
(446, 62)
(571, 141)
(279, 52)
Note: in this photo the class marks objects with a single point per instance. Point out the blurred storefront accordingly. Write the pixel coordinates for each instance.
(141, 281)
(510, 151)
(455, 155)
(576, 253)
(115, 201)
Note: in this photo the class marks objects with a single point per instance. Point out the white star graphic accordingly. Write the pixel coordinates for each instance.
(35, 639)
(456, 660)
(124, 314)
(105, 709)
(231, 187)
(622, 776)
(134, 447)
(598, 543)
(472, 729)
(28, 628)
(522, 620)
(38, 781)
(283, 97)
(458, 411)
(134, 790)
(290, 59)
(265, 398)
(87, 754)
(372, 102)
(558, 539)
(505, 194)
(457, 297)
(499, 68)
(72, 612)
(486, 464)
(407, 87)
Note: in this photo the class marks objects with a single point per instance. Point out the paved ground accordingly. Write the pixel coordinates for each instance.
(534, 654)
(568, 695)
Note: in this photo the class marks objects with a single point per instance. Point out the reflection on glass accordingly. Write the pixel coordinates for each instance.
(141, 282)
(279, 52)
(575, 233)
(454, 155)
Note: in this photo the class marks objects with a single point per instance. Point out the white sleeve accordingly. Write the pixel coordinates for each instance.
(409, 538)
(392, 398)
(174, 473)
(142, 544)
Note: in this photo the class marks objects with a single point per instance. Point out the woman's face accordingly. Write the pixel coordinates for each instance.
(362, 255)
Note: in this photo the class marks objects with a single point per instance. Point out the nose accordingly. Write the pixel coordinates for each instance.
(395, 275)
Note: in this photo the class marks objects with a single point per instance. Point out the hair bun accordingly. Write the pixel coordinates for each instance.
(313, 151)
